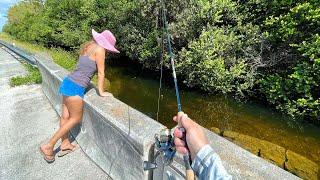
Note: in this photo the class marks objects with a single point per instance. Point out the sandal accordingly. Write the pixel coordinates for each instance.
(45, 156)
(64, 152)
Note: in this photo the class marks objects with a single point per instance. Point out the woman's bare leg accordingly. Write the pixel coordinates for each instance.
(75, 106)
(65, 142)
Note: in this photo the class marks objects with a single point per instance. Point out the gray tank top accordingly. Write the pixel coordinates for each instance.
(84, 71)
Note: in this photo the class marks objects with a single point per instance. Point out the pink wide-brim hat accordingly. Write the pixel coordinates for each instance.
(106, 40)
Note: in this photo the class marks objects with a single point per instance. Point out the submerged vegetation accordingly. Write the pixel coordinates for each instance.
(262, 49)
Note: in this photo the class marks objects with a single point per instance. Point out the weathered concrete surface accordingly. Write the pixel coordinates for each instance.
(215, 130)
(26, 120)
(301, 166)
(269, 151)
(276, 154)
(117, 137)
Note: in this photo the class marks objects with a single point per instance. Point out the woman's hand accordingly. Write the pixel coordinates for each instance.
(105, 94)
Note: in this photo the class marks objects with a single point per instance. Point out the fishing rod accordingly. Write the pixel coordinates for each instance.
(186, 157)
(164, 141)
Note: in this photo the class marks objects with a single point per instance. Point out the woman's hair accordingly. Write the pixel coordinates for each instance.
(85, 46)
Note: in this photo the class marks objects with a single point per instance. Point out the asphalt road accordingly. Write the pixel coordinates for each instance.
(27, 120)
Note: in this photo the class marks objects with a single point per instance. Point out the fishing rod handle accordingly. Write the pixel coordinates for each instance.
(189, 174)
(187, 157)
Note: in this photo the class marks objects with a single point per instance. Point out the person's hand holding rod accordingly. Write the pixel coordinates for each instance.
(206, 164)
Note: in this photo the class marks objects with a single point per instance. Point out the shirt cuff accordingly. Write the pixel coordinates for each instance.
(199, 161)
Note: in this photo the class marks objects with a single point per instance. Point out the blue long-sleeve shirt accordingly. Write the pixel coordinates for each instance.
(207, 165)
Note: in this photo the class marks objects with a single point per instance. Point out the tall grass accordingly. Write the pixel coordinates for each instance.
(33, 77)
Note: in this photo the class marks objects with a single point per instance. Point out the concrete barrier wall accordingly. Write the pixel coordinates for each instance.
(115, 136)
(118, 138)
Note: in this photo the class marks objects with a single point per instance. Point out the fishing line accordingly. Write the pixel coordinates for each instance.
(161, 70)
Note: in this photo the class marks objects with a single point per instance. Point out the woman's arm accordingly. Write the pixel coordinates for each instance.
(100, 60)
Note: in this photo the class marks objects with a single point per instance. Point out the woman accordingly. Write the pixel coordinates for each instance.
(92, 59)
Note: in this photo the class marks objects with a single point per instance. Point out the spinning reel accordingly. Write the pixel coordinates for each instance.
(165, 150)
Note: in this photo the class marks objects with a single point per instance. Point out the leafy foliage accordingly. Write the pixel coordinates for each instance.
(296, 91)
(26, 22)
(222, 46)
(212, 62)
(226, 55)
(257, 11)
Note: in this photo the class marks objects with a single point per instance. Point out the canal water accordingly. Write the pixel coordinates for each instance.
(139, 88)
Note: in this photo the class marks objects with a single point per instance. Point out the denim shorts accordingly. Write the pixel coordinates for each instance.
(70, 88)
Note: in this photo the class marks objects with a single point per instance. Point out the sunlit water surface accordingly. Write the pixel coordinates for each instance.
(139, 89)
